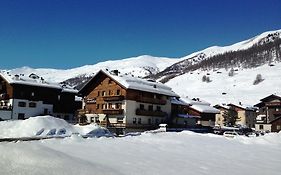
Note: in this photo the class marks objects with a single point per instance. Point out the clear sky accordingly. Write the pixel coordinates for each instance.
(71, 33)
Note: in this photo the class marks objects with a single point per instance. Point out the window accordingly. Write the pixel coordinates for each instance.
(261, 127)
(109, 92)
(150, 108)
(158, 108)
(141, 107)
(277, 109)
(21, 116)
(278, 127)
(118, 92)
(139, 120)
(117, 105)
(110, 105)
(149, 121)
(110, 82)
(32, 105)
(134, 120)
(98, 106)
(103, 93)
(157, 121)
(21, 104)
(32, 94)
(59, 97)
(46, 111)
(98, 93)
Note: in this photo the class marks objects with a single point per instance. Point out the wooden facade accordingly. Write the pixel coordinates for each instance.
(270, 107)
(116, 105)
(269, 113)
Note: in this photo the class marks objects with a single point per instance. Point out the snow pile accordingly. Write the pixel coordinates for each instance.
(43, 126)
(160, 154)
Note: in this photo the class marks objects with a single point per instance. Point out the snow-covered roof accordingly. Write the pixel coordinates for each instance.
(200, 105)
(178, 101)
(244, 106)
(34, 80)
(205, 109)
(194, 101)
(131, 82)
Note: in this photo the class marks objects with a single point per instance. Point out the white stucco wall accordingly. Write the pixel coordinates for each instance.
(29, 111)
(5, 114)
(132, 106)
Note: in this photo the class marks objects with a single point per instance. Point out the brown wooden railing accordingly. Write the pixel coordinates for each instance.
(113, 111)
(114, 98)
(150, 113)
(151, 100)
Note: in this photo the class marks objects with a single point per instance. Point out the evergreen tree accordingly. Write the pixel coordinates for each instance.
(230, 117)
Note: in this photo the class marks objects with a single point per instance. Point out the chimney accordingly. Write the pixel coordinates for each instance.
(115, 72)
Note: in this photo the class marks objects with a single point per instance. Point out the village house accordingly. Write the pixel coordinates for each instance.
(125, 103)
(203, 110)
(220, 117)
(269, 113)
(179, 115)
(23, 96)
(246, 115)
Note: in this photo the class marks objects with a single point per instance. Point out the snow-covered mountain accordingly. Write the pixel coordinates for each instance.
(258, 55)
(138, 66)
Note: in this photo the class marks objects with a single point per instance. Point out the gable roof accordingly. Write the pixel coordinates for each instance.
(34, 80)
(130, 82)
(272, 96)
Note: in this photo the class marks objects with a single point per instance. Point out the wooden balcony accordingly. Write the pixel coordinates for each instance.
(150, 113)
(151, 100)
(113, 111)
(114, 98)
(83, 112)
(112, 125)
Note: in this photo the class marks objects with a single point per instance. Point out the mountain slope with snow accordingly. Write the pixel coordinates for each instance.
(137, 66)
(223, 88)
(185, 74)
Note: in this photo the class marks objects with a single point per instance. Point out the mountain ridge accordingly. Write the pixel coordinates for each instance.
(172, 69)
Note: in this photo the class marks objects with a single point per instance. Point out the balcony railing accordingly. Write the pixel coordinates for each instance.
(151, 100)
(150, 113)
(113, 111)
(114, 98)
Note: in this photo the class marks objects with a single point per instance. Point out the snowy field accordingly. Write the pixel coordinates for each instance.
(238, 88)
(183, 153)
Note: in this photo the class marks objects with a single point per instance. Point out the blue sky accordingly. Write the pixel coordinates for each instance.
(70, 33)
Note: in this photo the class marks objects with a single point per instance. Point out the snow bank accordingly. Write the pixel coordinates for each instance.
(47, 126)
(159, 154)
